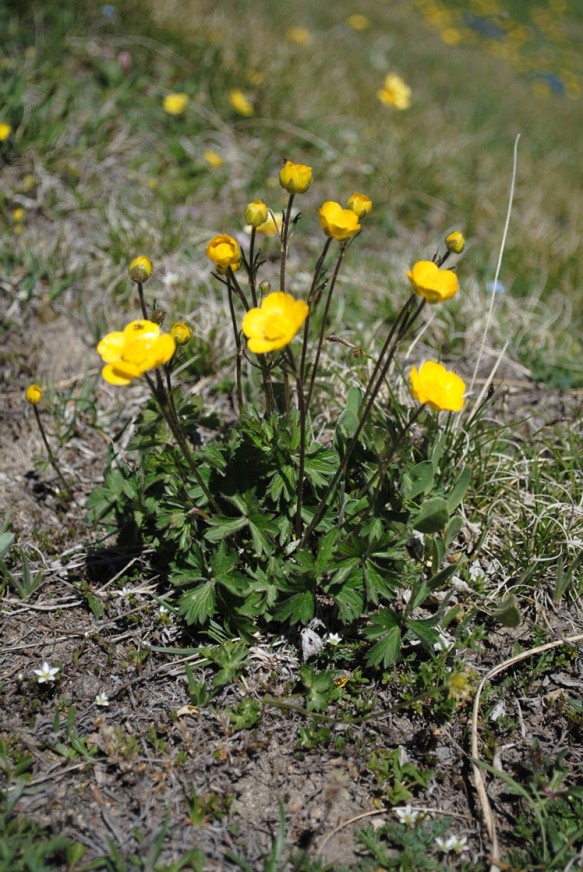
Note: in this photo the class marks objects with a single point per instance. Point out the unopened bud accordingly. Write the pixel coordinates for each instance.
(33, 394)
(141, 269)
(265, 287)
(256, 213)
(455, 242)
(181, 332)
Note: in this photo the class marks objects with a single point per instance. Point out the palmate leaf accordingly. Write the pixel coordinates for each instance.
(298, 608)
(321, 464)
(198, 604)
(386, 650)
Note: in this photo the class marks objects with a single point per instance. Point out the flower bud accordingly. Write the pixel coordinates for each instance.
(33, 394)
(141, 269)
(224, 252)
(256, 213)
(360, 204)
(295, 178)
(265, 287)
(455, 242)
(181, 332)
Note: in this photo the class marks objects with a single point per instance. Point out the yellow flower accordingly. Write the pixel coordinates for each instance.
(358, 21)
(295, 178)
(299, 35)
(360, 205)
(18, 214)
(338, 222)
(240, 103)
(256, 213)
(460, 685)
(130, 353)
(212, 158)
(33, 394)
(395, 92)
(274, 324)
(141, 269)
(435, 284)
(271, 225)
(438, 387)
(5, 131)
(175, 104)
(455, 242)
(181, 332)
(224, 252)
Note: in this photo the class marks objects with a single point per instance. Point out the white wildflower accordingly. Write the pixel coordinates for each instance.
(46, 673)
(407, 815)
(334, 639)
(102, 698)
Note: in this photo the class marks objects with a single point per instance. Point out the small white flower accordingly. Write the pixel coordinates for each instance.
(124, 592)
(442, 844)
(102, 698)
(20, 677)
(334, 639)
(46, 673)
(457, 844)
(407, 815)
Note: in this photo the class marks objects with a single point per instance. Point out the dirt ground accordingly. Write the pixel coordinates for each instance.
(144, 761)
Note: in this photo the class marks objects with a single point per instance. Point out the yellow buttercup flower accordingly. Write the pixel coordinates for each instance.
(240, 103)
(212, 158)
(438, 387)
(224, 252)
(175, 104)
(455, 242)
(435, 284)
(141, 269)
(360, 204)
(271, 225)
(5, 131)
(256, 213)
(33, 394)
(295, 178)
(18, 215)
(299, 35)
(132, 352)
(395, 92)
(181, 332)
(338, 222)
(274, 324)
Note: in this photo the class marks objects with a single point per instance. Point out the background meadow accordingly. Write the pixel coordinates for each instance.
(95, 169)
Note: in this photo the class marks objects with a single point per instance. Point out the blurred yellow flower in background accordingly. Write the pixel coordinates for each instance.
(432, 283)
(395, 92)
(240, 103)
(175, 104)
(274, 324)
(358, 21)
(271, 225)
(299, 35)
(439, 388)
(5, 131)
(212, 158)
(130, 353)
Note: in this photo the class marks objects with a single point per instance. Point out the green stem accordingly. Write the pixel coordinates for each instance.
(251, 266)
(405, 322)
(159, 394)
(51, 456)
(237, 343)
(284, 241)
(143, 306)
(324, 320)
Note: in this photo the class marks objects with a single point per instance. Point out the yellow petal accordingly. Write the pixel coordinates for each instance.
(111, 347)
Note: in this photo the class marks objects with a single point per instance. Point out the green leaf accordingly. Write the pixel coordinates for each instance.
(354, 399)
(425, 631)
(298, 608)
(326, 550)
(198, 604)
(432, 516)
(347, 423)
(220, 528)
(387, 650)
(508, 612)
(418, 479)
(6, 540)
(459, 489)
(453, 528)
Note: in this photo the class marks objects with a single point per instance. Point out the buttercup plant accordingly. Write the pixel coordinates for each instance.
(266, 522)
